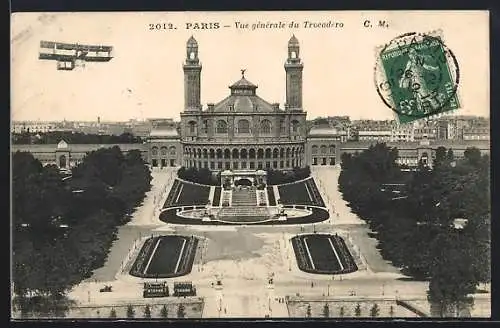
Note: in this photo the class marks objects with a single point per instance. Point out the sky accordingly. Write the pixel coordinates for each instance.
(145, 77)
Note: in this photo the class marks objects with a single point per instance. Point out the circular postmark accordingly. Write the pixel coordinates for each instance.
(417, 75)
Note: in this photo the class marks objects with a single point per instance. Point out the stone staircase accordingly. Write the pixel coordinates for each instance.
(243, 207)
(244, 214)
(244, 197)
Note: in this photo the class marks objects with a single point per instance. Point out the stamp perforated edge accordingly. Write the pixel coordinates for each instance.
(437, 33)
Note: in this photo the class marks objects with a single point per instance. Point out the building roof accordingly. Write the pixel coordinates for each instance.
(454, 144)
(192, 41)
(75, 148)
(62, 145)
(164, 132)
(293, 41)
(244, 104)
(243, 99)
(324, 131)
(243, 84)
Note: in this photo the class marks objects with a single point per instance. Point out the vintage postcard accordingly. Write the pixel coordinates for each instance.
(187, 165)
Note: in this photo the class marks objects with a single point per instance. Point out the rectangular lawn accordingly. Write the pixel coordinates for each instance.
(322, 254)
(166, 256)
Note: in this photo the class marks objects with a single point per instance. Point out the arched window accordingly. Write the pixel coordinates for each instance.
(219, 153)
(212, 153)
(323, 149)
(282, 126)
(163, 151)
(243, 126)
(295, 126)
(314, 149)
(154, 151)
(192, 126)
(244, 153)
(268, 153)
(236, 153)
(275, 153)
(227, 153)
(251, 153)
(62, 161)
(260, 153)
(221, 127)
(204, 128)
(265, 127)
(332, 149)
(172, 150)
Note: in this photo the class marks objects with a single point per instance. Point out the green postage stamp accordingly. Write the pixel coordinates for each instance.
(417, 76)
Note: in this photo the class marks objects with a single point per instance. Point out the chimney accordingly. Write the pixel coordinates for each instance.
(210, 107)
(276, 106)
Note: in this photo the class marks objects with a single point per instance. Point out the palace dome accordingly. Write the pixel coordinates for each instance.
(244, 99)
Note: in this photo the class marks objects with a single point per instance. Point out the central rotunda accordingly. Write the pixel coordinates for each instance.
(243, 132)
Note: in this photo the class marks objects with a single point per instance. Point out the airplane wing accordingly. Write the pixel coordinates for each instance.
(69, 51)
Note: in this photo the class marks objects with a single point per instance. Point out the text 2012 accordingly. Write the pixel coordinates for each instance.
(161, 26)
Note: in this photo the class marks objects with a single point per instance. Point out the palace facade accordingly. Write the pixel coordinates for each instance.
(243, 131)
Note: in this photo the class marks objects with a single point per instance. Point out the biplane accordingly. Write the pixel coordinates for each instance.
(71, 55)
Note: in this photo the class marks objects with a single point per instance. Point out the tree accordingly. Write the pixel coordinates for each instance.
(164, 312)
(147, 311)
(181, 311)
(112, 313)
(375, 310)
(130, 311)
(440, 156)
(133, 157)
(473, 155)
(449, 155)
(326, 311)
(452, 276)
(357, 310)
(60, 237)
(308, 311)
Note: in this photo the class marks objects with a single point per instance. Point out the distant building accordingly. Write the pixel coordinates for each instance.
(322, 144)
(34, 126)
(369, 130)
(402, 132)
(476, 133)
(66, 156)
